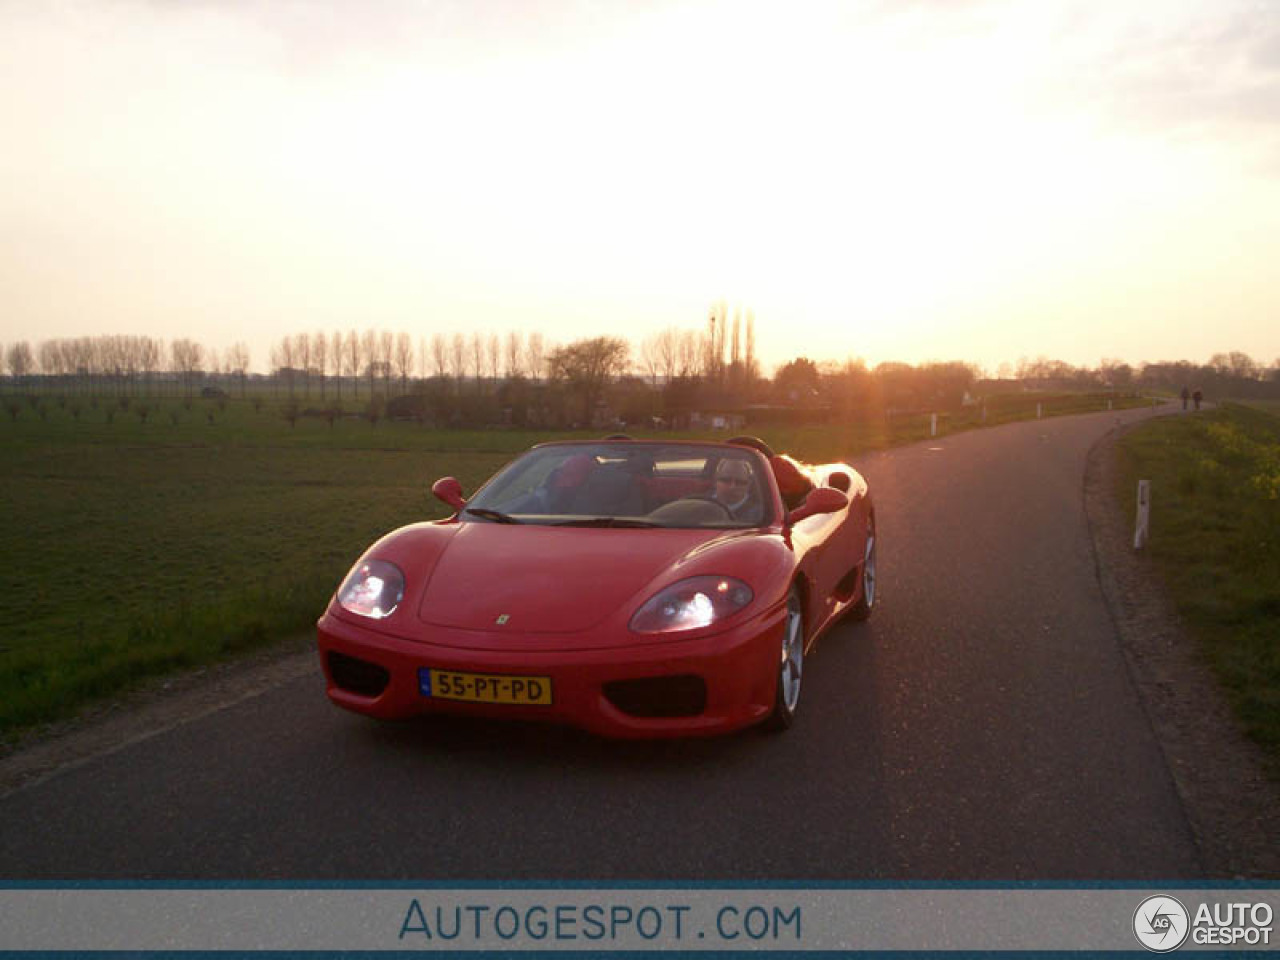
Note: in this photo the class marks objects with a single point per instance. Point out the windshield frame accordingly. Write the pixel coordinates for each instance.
(525, 491)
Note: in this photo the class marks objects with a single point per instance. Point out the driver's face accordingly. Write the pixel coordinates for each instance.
(731, 482)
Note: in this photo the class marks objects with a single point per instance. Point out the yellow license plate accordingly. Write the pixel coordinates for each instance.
(484, 687)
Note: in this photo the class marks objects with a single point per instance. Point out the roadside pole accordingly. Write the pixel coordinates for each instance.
(1143, 528)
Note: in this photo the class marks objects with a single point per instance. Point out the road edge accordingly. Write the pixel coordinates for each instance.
(152, 709)
(1230, 800)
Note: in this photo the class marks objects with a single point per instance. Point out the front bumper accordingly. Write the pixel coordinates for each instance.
(738, 667)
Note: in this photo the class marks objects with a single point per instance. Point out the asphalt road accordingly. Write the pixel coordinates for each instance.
(982, 726)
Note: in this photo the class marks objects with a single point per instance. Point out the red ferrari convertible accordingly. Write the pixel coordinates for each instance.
(632, 588)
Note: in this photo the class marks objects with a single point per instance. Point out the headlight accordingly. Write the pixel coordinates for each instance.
(373, 589)
(692, 604)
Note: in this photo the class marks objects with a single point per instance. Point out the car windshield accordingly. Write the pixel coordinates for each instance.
(619, 484)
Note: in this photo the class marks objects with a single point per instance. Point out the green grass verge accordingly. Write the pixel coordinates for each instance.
(1270, 406)
(153, 535)
(1215, 537)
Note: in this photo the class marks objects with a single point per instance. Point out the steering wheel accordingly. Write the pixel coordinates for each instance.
(708, 498)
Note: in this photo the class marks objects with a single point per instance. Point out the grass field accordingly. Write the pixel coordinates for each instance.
(140, 547)
(1215, 536)
(1270, 406)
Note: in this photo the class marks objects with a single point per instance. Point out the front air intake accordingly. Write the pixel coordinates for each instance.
(357, 676)
(680, 696)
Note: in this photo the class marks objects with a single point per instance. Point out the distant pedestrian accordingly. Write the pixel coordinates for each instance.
(1186, 395)
(1197, 397)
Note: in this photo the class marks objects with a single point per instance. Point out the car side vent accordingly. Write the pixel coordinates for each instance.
(357, 676)
(679, 696)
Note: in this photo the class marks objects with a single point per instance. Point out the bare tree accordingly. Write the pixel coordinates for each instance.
(109, 352)
(50, 358)
(351, 360)
(83, 359)
(690, 353)
(735, 354)
(20, 361)
(403, 359)
(1115, 373)
(285, 362)
(238, 361)
(186, 356)
(302, 359)
(130, 360)
(139, 348)
(100, 360)
(1237, 365)
(369, 355)
(212, 364)
(535, 351)
(458, 359)
(386, 349)
(477, 359)
(275, 364)
(667, 347)
(515, 351)
(717, 334)
(495, 357)
(320, 356)
(651, 358)
(335, 352)
(65, 358)
(440, 355)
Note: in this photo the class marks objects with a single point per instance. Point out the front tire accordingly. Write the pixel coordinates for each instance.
(786, 698)
(867, 598)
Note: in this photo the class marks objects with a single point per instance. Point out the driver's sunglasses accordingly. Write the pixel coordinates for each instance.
(736, 481)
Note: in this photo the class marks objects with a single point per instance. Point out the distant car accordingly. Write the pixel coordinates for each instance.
(631, 588)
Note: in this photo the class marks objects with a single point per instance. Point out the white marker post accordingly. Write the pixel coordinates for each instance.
(933, 424)
(1038, 411)
(1143, 528)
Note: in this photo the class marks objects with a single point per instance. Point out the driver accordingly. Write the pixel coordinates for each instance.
(733, 488)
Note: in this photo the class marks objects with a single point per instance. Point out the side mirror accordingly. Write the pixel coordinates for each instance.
(450, 491)
(821, 500)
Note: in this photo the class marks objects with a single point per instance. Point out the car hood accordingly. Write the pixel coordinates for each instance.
(547, 579)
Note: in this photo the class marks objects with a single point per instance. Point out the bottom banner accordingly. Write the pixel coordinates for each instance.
(577, 919)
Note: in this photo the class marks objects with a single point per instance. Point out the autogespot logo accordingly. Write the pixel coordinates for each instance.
(1161, 923)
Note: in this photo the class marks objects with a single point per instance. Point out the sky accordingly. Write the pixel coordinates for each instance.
(891, 180)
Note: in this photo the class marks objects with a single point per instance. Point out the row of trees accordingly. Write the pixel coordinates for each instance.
(486, 358)
(1223, 369)
(382, 360)
(725, 351)
(940, 386)
(389, 360)
(481, 377)
(96, 364)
